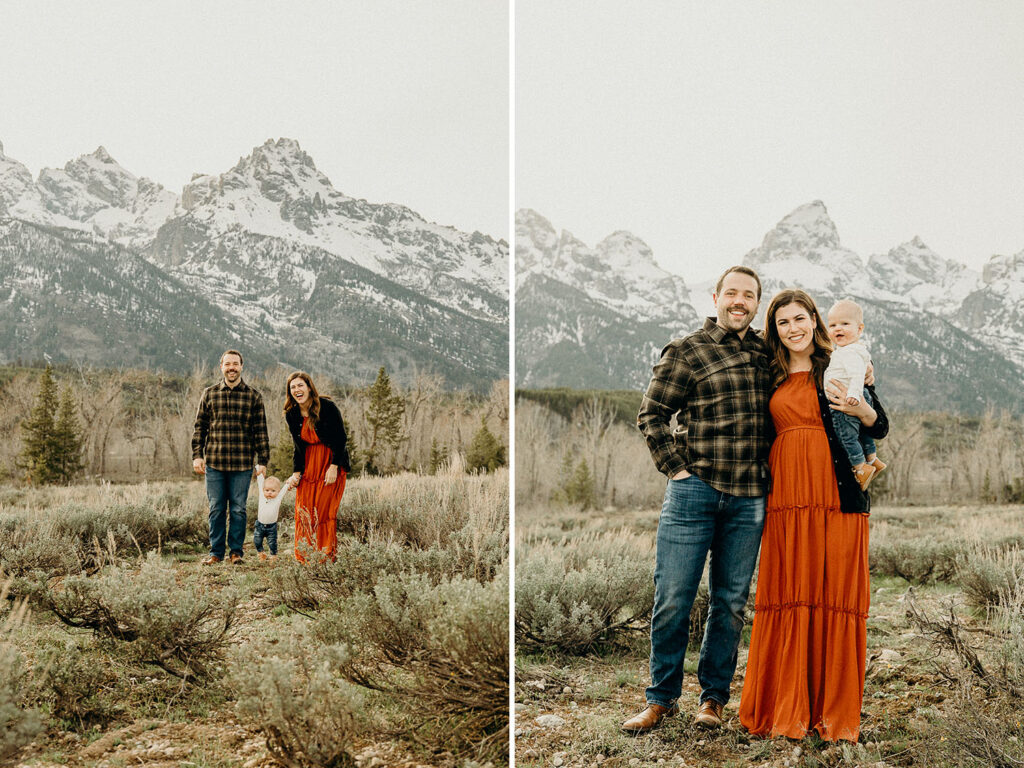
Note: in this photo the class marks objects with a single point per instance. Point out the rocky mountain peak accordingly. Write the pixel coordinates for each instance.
(804, 249)
(277, 170)
(807, 226)
(102, 155)
(1004, 268)
(528, 220)
(624, 248)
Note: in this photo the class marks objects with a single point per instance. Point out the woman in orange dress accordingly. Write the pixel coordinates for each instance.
(805, 669)
(320, 463)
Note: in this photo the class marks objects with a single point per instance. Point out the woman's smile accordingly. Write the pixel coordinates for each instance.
(795, 327)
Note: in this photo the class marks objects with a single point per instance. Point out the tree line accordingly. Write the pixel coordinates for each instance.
(131, 424)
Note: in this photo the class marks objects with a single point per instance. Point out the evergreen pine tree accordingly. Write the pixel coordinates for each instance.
(581, 487)
(67, 440)
(438, 456)
(384, 415)
(37, 445)
(485, 452)
(281, 454)
(355, 456)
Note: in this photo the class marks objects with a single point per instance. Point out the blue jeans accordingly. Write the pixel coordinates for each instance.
(269, 531)
(848, 430)
(696, 519)
(224, 490)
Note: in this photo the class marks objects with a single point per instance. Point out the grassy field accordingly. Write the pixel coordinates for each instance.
(118, 648)
(942, 689)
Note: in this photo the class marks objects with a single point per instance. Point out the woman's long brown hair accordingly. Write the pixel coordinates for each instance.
(778, 354)
(314, 396)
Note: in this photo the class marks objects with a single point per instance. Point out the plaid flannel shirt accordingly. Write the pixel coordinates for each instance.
(716, 385)
(231, 428)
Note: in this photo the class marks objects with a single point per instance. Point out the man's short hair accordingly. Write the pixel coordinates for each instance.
(742, 270)
(232, 352)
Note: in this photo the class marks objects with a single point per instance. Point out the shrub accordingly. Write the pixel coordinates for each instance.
(358, 567)
(442, 649)
(990, 578)
(19, 724)
(287, 689)
(571, 598)
(422, 512)
(919, 562)
(70, 683)
(980, 723)
(28, 547)
(181, 628)
(133, 526)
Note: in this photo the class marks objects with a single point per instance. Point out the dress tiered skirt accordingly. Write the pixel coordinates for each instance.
(805, 669)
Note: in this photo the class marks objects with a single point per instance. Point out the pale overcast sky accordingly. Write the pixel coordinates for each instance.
(395, 101)
(698, 126)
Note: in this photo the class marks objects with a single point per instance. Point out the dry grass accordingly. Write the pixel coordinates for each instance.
(921, 707)
(139, 666)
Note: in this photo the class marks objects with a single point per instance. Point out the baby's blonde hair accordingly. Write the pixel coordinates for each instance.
(274, 479)
(850, 305)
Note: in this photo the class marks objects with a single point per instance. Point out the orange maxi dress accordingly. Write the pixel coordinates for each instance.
(316, 504)
(805, 670)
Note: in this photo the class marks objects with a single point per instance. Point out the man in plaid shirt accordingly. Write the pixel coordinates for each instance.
(229, 437)
(715, 383)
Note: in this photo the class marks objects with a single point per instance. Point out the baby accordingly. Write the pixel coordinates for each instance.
(848, 364)
(271, 496)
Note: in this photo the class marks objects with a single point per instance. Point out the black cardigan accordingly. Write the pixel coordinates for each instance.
(851, 498)
(329, 428)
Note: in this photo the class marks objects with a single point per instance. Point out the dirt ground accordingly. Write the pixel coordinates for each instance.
(568, 709)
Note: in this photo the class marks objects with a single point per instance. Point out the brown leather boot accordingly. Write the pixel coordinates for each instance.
(709, 714)
(864, 473)
(648, 719)
(878, 464)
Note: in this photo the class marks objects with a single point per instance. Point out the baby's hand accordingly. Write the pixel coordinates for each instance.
(852, 401)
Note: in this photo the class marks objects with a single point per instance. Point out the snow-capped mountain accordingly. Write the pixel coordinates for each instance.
(922, 277)
(994, 310)
(943, 336)
(619, 272)
(312, 277)
(804, 249)
(588, 310)
(277, 192)
(92, 193)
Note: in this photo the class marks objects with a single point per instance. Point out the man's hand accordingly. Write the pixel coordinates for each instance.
(199, 466)
(331, 475)
(681, 475)
(261, 469)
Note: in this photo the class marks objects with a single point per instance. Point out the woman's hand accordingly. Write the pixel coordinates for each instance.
(332, 474)
(835, 391)
(293, 481)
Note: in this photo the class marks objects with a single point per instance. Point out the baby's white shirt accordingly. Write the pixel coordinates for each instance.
(848, 365)
(269, 508)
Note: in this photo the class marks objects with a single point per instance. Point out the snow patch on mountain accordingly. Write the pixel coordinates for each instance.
(278, 192)
(803, 250)
(620, 271)
(914, 272)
